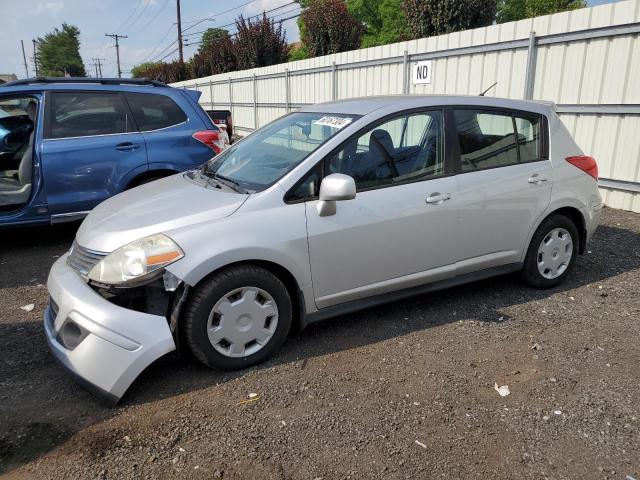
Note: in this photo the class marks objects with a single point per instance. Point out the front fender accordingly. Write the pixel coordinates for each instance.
(276, 235)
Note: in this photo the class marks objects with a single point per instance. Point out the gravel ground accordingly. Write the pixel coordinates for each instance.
(400, 391)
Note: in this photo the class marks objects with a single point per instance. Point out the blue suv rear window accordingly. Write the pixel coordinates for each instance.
(153, 112)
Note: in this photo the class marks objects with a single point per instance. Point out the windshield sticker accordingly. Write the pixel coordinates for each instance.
(334, 122)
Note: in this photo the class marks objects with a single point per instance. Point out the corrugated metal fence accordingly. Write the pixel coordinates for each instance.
(587, 61)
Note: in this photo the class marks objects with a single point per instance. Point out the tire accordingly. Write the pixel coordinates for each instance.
(541, 268)
(232, 290)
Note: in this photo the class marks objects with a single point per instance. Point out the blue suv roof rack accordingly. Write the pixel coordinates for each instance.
(86, 80)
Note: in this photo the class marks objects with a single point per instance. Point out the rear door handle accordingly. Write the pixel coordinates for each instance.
(437, 198)
(127, 146)
(536, 179)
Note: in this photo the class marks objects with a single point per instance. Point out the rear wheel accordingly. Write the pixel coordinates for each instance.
(237, 318)
(552, 252)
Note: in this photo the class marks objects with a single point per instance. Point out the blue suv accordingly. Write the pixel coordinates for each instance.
(67, 144)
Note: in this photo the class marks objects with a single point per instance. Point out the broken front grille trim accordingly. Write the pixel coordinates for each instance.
(82, 260)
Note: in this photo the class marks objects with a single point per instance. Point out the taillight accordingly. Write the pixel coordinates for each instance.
(586, 164)
(211, 138)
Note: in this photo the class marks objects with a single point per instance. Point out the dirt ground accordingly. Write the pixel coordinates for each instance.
(400, 391)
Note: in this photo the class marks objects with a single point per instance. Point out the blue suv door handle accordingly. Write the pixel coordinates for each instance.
(127, 147)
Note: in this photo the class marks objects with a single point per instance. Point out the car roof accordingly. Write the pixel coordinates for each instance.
(366, 105)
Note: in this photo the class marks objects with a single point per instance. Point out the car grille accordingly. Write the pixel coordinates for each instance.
(83, 260)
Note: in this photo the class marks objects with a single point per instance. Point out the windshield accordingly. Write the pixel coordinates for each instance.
(269, 153)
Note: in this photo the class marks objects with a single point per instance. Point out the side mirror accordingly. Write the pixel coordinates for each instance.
(335, 188)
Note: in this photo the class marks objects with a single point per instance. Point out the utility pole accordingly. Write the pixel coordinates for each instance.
(179, 32)
(97, 63)
(24, 57)
(115, 36)
(35, 56)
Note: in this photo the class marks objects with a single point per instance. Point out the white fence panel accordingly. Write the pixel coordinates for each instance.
(587, 61)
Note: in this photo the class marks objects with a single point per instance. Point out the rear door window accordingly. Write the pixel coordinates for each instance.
(153, 112)
(487, 140)
(490, 139)
(83, 114)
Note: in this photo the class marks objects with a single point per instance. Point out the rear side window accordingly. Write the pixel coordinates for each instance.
(496, 139)
(83, 114)
(528, 129)
(153, 112)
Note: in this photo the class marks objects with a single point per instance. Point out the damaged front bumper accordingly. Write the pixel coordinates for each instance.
(103, 345)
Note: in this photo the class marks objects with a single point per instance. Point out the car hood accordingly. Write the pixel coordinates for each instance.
(155, 207)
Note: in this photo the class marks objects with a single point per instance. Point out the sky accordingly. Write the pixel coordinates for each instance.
(149, 25)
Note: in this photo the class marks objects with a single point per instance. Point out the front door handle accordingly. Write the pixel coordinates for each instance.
(537, 179)
(127, 147)
(437, 198)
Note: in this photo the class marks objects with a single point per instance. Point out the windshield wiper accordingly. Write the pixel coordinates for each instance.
(232, 184)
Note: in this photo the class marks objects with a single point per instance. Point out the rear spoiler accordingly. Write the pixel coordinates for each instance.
(194, 94)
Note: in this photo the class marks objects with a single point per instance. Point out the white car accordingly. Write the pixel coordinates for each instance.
(333, 208)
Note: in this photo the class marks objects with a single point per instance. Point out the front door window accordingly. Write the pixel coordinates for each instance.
(407, 148)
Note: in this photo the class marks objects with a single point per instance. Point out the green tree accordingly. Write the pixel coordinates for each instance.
(140, 71)
(384, 20)
(511, 10)
(298, 51)
(211, 36)
(329, 28)
(436, 17)
(59, 53)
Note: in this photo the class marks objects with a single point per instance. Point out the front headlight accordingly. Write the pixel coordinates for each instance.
(136, 260)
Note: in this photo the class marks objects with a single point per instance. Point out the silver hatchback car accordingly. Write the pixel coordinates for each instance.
(332, 208)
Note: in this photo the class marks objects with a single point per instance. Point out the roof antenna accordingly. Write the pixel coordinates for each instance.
(482, 94)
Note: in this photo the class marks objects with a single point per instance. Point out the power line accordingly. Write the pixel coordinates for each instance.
(247, 18)
(192, 43)
(168, 54)
(135, 8)
(236, 33)
(164, 50)
(158, 45)
(160, 10)
(210, 17)
(144, 7)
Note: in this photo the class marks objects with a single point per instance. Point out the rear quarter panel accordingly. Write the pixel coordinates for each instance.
(571, 186)
(174, 148)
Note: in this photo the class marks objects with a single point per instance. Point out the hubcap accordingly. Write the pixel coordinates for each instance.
(242, 322)
(554, 253)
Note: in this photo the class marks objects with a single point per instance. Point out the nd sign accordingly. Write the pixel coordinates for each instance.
(422, 72)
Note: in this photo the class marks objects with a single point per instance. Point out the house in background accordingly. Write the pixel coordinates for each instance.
(7, 77)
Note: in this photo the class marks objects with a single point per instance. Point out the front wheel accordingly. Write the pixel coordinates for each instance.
(552, 252)
(237, 318)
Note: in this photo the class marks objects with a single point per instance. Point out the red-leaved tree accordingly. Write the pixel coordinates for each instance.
(329, 28)
(259, 43)
(214, 58)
